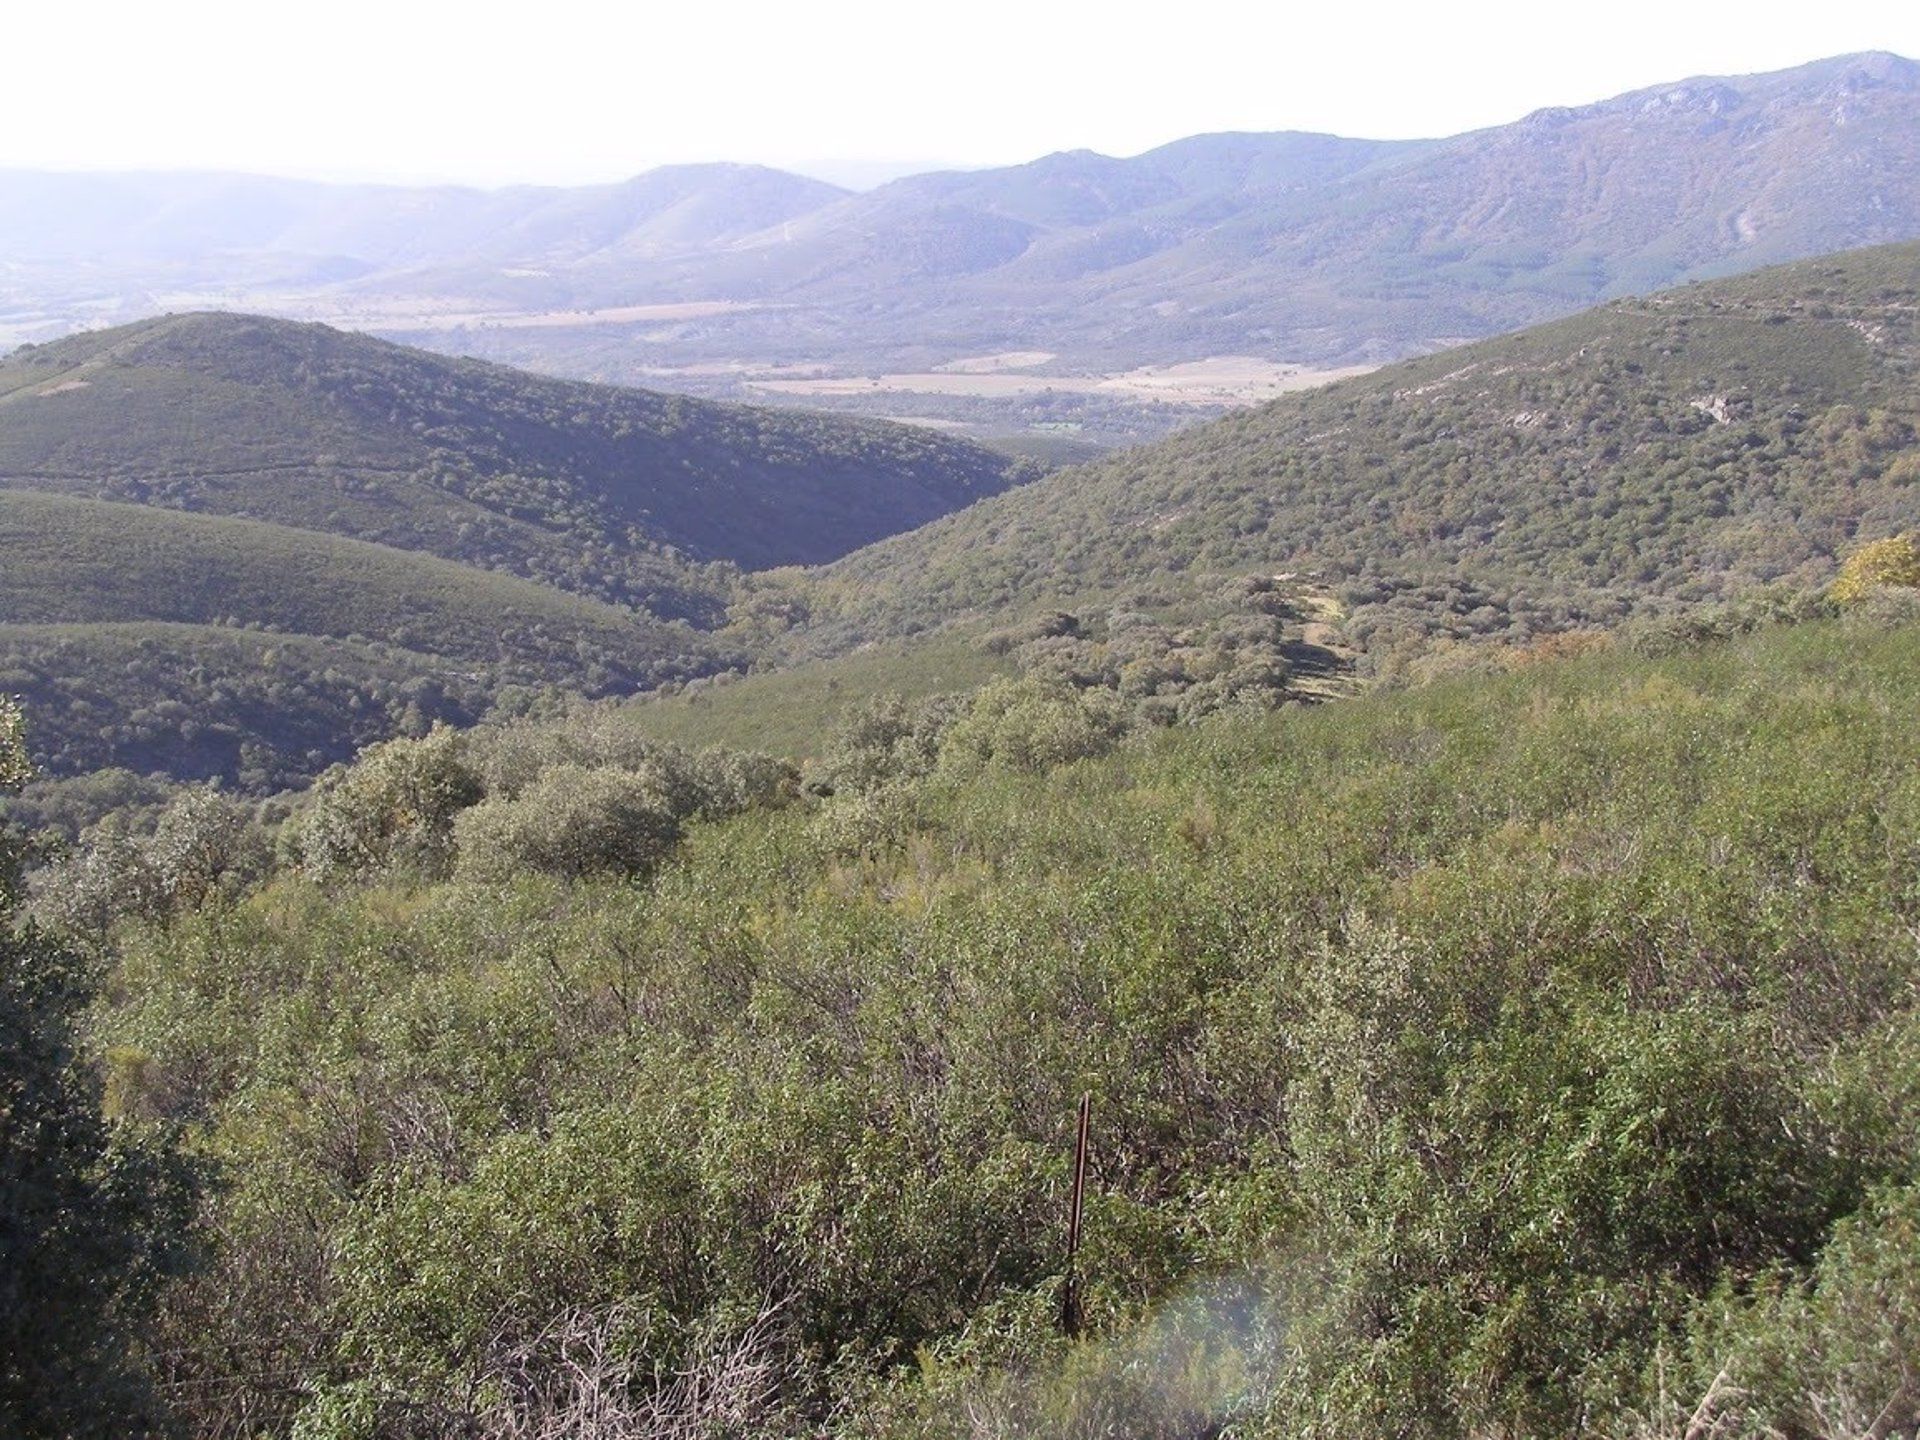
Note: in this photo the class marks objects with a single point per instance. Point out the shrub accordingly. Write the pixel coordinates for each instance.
(727, 782)
(1032, 726)
(884, 740)
(1894, 561)
(510, 757)
(15, 768)
(394, 806)
(713, 783)
(571, 822)
(202, 845)
(1830, 1355)
(91, 1215)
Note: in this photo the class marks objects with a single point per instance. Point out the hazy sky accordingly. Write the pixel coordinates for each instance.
(568, 91)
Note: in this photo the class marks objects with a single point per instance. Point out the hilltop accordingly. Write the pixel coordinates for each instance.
(622, 494)
(1651, 453)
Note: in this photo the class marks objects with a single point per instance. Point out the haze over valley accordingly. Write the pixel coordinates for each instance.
(1078, 294)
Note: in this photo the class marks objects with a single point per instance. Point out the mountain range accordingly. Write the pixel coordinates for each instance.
(1306, 248)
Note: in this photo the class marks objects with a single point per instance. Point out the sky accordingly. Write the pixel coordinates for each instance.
(567, 92)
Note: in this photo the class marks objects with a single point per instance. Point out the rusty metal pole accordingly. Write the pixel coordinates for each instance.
(1070, 1293)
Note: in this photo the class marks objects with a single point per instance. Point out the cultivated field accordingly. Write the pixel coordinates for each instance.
(1220, 380)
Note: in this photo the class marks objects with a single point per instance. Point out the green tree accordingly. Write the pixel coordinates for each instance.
(15, 770)
(203, 845)
(393, 806)
(573, 821)
(90, 1215)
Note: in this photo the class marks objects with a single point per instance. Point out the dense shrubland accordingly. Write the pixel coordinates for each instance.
(186, 507)
(206, 648)
(1162, 657)
(615, 493)
(259, 711)
(1531, 1052)
(570, 794)
(94, 1216)
(1650, 455)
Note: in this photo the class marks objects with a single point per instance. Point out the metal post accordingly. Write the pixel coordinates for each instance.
(1070, 1293)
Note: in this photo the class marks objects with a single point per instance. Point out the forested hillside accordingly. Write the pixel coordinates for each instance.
(611, 492)
(260, 711)
(1531, 1053)
(1649, 454)
(89, 561)
(1652, 455)
(206, 646)
(403, 538)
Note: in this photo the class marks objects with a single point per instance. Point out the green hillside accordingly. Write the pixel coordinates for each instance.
(87, 561)
(621, 494)
(794, 711)
(204, 645)
(449, 528)
(260, 710)
(1651, 453)
(1531, 1055)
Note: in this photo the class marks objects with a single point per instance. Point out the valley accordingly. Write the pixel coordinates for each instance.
(1263, 790)
(428, 534)
(1650, 456)
(1220, 382)
(1306, 252)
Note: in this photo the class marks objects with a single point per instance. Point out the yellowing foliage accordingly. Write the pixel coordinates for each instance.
(1892, 561)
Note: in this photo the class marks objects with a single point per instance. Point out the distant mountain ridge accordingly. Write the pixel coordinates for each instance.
(179, 218)
(1314, 248)
(1306, 248)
